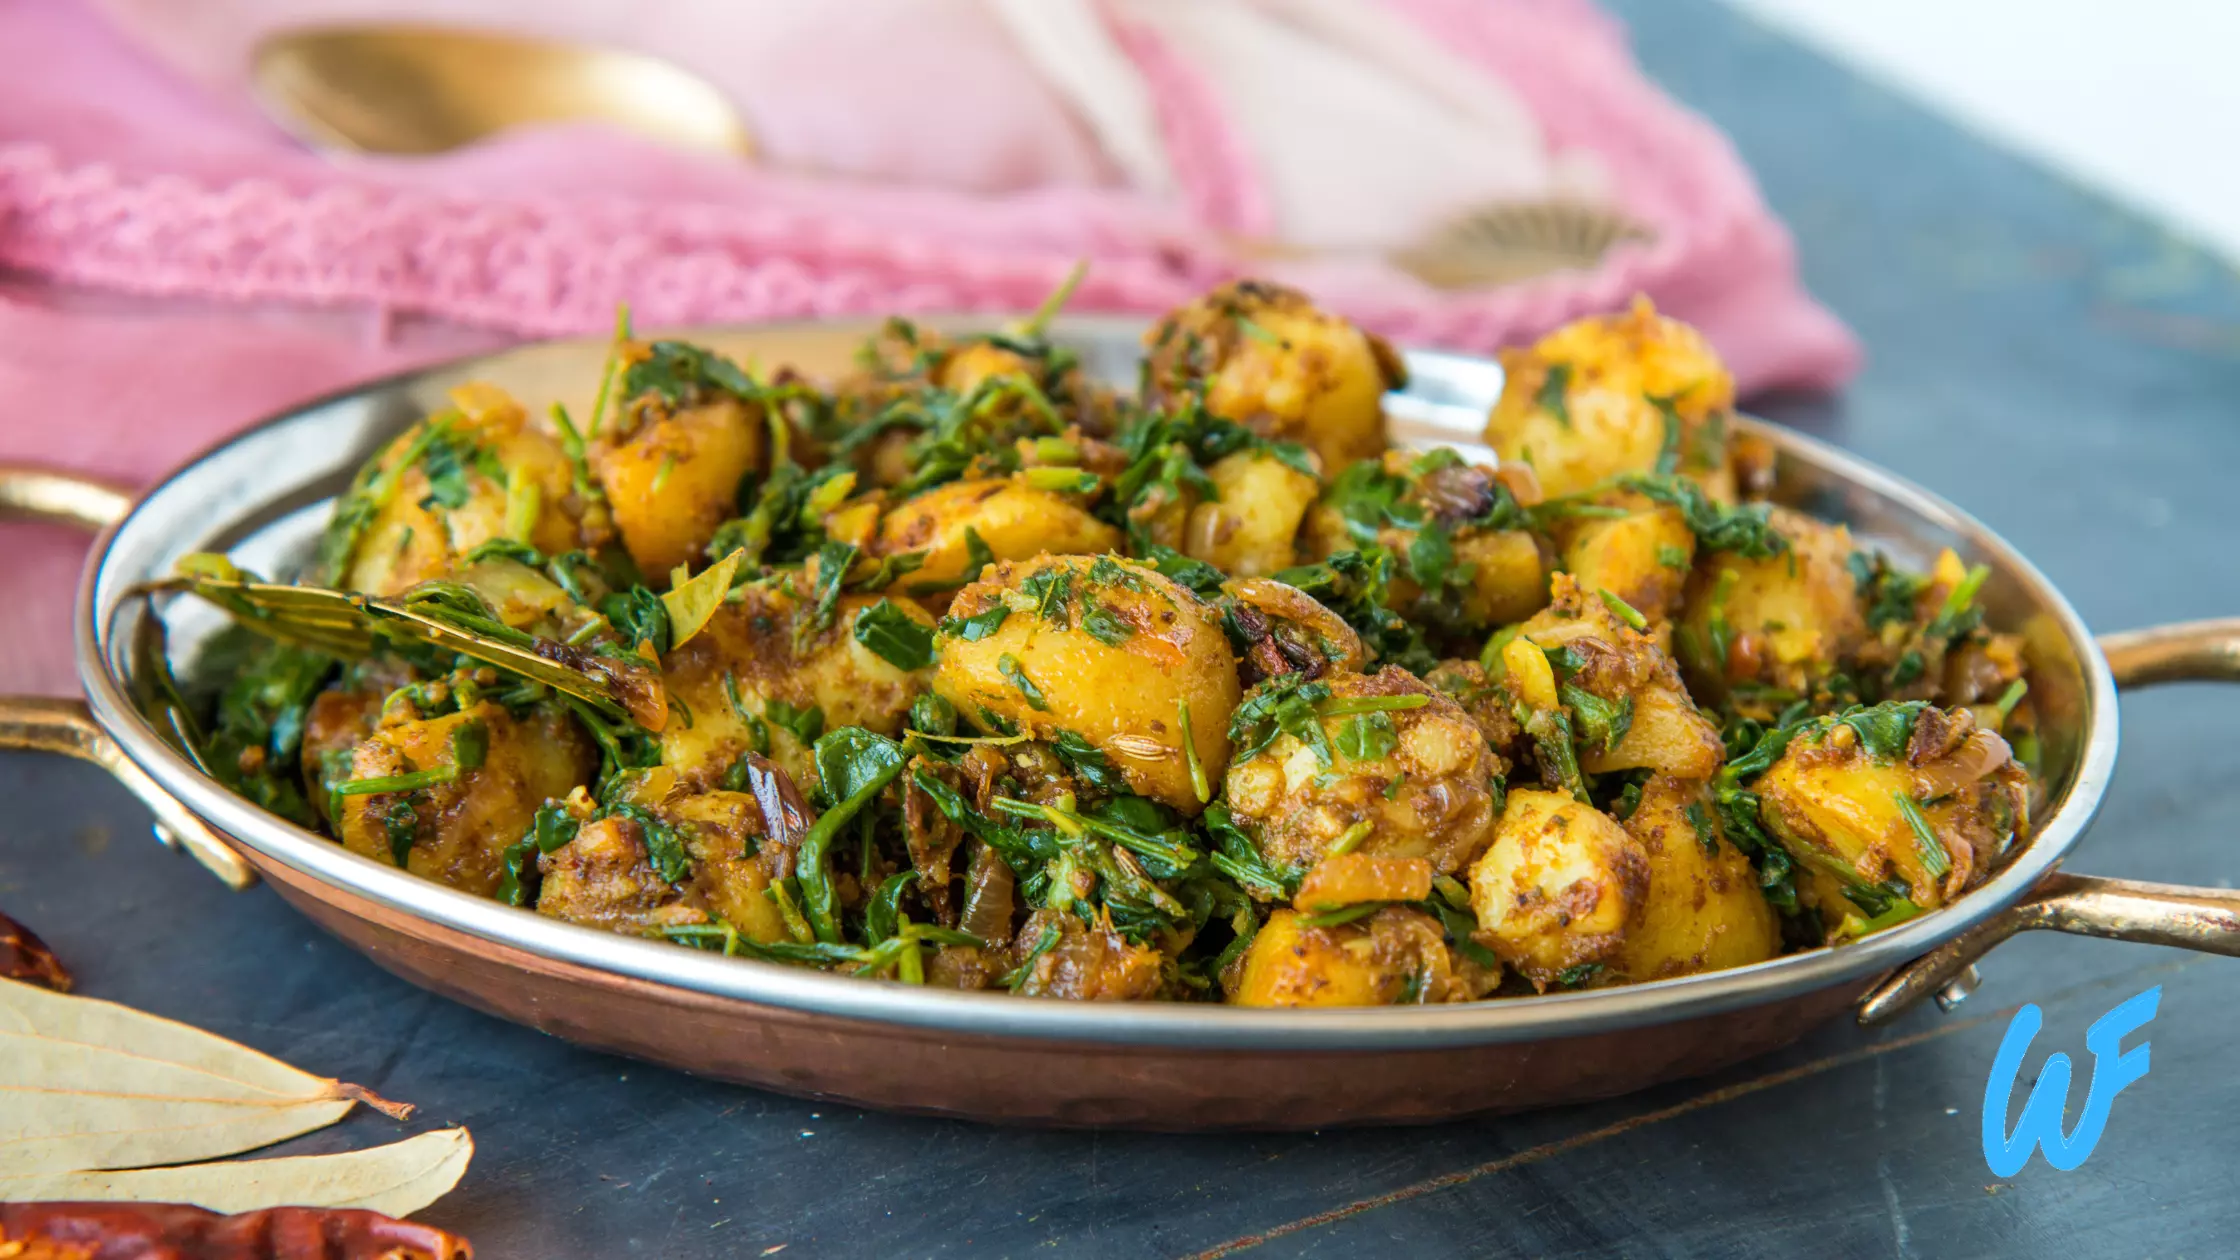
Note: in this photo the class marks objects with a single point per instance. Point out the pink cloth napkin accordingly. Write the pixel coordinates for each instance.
(177, 268)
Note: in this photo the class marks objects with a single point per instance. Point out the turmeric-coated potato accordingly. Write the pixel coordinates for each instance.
(1642, 558)
(1704, 910)
(1463, 561)
(672, 472)
(1399, 771)
(1784, 622)
(1268, 359)
(1603, 396)
(765, 676)
(1627, 705)
(1903, 792)
(1483, 700)
(473, 473)
(1348, 879)
(1395, 956)
(1012, 519)
(607, 876)
(456, 831)
(1251, 529)
(1106, 649)
(1504, 578)
(1560, 888)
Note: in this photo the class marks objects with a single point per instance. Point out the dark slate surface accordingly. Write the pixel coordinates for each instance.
(2063, 368)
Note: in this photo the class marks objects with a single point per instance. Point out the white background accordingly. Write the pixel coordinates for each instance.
(2138, 98)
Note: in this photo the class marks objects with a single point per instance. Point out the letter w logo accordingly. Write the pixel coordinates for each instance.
(2040, 1126)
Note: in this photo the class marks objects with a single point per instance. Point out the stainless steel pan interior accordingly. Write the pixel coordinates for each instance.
(264, 496)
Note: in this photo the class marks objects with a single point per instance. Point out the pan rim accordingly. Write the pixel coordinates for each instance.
(1173, 1026)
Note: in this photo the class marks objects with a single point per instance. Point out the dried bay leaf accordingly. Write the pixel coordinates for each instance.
(86, 1084)
(394, 1180)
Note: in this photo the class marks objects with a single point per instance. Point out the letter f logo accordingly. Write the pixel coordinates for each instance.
(2040, 1126)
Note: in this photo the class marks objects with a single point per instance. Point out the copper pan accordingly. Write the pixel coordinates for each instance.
(264, 495)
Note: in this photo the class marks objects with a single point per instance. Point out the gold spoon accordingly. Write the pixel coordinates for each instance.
(424, 89)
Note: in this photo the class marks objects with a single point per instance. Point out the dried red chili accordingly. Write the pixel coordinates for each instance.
(164, 1231)
(23, 956)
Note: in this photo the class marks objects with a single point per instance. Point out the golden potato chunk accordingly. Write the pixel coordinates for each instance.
(764, 677)
(1463, 563)
(471, 474)
(1903, 797)
(1348, 879)
(672, 472)
(1784, 622)
(1559, 889)
(1392, 957)
(1252, 528)
(609, 875)
(1012, 520)
(1643, 558)
(1106, 649)
(1604, 395)
(1627, 707)
(1704, 910)
(456, 831)
(1382, 765)
(1265, 357)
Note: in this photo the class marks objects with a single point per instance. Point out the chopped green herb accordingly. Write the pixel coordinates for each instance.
(411, 781)
(402, 826)
(1554, 396)
(2011, 697)
(1741, 529)
(1088, 762)
(895, 636)
(978, 626)
(1351, 838)
(549, 830)
(1575, 977)
(1199, 785)
(470, 743)
(977, 556)
(1051, 589)
(1700, 819)
(804, 724)
(1008, 665)
(833, 562)
(1959, 614)
(1934, 859)
(640, 617)
(1250, 328)
(1668, 457)
(665, 847)
(1343, 914)
(1602, 723)
(1559, 761)
(932, 715)
(1626, 612)
(1106, 626)
(1063, 480)
(1367, 737)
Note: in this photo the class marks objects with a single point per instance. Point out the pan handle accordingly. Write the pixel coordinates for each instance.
(54, 724)
(2204, 919)
(42, 494)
